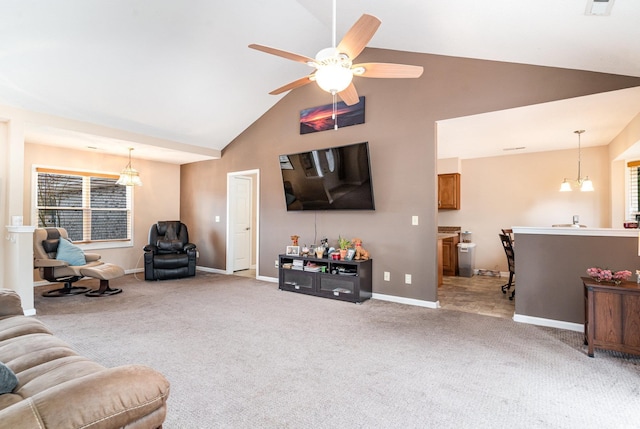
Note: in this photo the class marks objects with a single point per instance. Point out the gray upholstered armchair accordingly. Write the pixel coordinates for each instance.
(169, 255)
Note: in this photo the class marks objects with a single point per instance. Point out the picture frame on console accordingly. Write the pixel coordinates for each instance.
(293, 251)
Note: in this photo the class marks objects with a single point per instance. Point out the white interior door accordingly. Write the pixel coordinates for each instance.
(241, 215)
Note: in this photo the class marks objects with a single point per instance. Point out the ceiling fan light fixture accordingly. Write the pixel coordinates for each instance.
(333, 78)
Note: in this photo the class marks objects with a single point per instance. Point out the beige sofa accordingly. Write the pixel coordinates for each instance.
(57, 388)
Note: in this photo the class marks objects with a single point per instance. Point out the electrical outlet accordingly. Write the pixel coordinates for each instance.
(414, 220)
(277, 263)
(217, 218)
(387, 276)
(407, 279)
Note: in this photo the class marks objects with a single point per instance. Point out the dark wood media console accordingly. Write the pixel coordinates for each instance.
(335, 279)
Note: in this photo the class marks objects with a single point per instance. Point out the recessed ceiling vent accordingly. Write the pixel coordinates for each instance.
(599, 7)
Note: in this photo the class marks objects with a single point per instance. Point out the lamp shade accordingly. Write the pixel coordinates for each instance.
(129, 177)
(565, 186)
(587, 185)
(333, 78)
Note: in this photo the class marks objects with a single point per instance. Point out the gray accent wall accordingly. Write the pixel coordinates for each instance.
(400, 128)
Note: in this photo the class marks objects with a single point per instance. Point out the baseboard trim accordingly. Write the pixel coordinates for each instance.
(267, 279)
(408, 301)
(550, 323)
(210, 270)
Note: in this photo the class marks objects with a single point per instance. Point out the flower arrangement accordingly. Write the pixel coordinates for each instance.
(601, 275)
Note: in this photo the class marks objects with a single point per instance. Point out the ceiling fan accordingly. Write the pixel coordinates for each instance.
(334, 68)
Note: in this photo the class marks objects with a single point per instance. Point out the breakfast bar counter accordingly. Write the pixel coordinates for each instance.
(550, 262)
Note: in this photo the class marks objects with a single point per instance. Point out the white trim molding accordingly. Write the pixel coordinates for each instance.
(550, 323)
(408, 301)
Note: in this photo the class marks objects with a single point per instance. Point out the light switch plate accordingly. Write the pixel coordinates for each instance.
(414, 220)
(407, 279)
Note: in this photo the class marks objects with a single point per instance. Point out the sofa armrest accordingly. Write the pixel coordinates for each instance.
(44, 263)
(10, 304)
(189, 246)
(113, 398)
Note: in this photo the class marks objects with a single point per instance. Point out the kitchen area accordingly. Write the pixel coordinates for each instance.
(459, 286)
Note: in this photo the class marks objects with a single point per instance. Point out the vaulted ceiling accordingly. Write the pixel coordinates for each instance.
(181, 70)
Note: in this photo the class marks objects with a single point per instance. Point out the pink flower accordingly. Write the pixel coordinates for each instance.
(607, 275)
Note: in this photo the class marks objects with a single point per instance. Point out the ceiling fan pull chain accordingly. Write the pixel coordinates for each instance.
(334, 113)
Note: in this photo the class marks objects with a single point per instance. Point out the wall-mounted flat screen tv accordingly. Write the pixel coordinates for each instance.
(336, 178)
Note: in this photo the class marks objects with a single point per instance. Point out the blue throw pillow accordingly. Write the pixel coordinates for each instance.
(8, 380)
(70, 253)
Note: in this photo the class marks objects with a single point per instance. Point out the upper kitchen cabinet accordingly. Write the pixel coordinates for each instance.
(449, 191)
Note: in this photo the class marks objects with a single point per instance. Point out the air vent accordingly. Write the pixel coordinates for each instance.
(599, 7)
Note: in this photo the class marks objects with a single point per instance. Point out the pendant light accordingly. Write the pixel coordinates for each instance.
(129, 176)
(584, 184)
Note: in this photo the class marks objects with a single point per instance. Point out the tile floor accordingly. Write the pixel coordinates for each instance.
(477, 294)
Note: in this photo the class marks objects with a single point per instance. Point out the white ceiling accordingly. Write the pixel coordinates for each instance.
(181, 70)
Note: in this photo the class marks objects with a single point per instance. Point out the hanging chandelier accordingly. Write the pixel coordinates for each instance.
(129, 176)
(584, 184)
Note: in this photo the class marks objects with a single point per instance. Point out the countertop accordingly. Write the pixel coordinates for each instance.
(445, 235)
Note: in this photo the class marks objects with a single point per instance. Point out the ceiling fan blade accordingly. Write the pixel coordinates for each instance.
(292, 85)
(359, 35)
(281, 53)
(350, 95)
(387, 70)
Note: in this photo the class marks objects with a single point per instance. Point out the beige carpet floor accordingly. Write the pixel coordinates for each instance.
(239, 353)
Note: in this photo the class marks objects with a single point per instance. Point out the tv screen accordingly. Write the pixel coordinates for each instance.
(336, 178)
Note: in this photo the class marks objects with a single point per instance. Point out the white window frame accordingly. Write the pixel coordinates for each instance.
(89, 245)
(632, 206)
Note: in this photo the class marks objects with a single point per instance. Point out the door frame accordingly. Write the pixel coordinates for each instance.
(230, 222)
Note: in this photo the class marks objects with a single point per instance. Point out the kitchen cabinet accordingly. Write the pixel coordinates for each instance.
(449, 191)
(450, 256)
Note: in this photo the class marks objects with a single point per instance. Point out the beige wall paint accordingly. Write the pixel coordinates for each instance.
(523, 190)
(158, 198)
(400, 118)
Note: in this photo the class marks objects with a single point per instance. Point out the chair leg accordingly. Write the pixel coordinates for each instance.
(104, 290)
(508, 285)
(67, 290)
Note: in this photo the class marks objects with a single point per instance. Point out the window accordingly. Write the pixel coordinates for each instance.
(633, 197)
(90, 206)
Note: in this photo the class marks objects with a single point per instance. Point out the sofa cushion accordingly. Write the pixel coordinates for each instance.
(8, 380)
(70, 253)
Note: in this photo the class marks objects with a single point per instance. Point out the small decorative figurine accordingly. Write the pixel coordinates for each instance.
(294, 239)
(361, 254)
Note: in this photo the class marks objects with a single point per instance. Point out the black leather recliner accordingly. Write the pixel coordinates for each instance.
(169, 255)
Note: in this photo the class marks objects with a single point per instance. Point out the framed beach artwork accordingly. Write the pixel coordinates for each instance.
(319, 118)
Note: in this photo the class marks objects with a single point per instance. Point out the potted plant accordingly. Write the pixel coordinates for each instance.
(343, 244)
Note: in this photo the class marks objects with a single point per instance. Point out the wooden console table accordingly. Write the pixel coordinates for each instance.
(612, 316)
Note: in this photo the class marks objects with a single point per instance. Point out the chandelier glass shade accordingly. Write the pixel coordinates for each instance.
(582, 183)
(129, 176)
